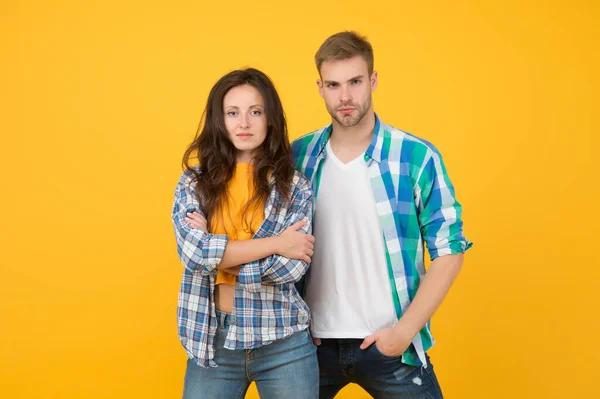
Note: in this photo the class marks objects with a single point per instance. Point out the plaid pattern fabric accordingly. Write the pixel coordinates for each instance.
(267, 305)
(415, 201)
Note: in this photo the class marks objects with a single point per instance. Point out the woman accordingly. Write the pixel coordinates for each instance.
(242, 226)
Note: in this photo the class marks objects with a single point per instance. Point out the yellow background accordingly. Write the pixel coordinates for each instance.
(99, 100)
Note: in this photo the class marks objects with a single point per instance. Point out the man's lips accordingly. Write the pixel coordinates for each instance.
(346, 111)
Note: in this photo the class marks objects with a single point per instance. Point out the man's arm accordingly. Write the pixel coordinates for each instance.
(440, 223)
(430, 295)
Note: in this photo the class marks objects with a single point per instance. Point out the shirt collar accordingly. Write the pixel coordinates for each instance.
(375, 149)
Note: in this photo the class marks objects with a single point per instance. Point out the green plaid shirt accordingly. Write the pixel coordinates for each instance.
(415, 202)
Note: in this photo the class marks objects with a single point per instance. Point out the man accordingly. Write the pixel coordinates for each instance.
(380, 193)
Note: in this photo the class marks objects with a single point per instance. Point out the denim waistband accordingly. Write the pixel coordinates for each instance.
(224, 319)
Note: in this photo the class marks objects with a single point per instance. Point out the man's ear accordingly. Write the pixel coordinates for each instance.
(374, 81)
(320, 85)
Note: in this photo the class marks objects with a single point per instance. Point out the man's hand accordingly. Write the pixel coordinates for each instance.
(294, 244)
(388, 341)
(316, 341)
(434, 286)
(197, 221)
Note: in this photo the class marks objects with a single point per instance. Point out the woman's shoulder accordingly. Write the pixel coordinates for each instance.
(301, 187)
(189, 175)
(300, 181)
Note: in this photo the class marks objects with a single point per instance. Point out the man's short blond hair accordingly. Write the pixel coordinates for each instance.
(344, 45)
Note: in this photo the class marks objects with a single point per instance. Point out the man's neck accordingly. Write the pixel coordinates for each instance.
(347, 143)
(354, 136)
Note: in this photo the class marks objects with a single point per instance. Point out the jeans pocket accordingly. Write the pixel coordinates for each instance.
(307, 339)
(376, 349)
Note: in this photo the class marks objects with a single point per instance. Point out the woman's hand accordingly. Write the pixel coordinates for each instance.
(295, 244)
(197, 221)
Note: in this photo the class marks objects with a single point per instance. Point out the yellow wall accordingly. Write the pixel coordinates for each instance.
(99, 99)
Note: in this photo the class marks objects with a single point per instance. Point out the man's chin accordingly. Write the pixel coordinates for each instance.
(347, 121)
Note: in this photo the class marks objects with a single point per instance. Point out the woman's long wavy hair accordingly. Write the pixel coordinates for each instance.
(216, 153)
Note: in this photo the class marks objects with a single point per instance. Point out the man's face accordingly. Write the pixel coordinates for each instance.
(346, 87)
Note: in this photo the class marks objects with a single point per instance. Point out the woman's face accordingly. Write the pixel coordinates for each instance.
(245, 120)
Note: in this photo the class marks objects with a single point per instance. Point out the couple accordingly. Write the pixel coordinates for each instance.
(369, 194)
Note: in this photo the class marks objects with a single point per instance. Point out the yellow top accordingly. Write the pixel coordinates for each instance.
(228, 220)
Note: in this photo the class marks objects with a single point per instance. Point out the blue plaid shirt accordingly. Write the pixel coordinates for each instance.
(416, 204)
(267, 305)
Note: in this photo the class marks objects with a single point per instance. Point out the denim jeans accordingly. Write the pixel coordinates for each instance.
(341, 361)
(287, 368)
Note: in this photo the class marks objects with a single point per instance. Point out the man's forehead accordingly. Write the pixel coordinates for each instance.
(340, 70)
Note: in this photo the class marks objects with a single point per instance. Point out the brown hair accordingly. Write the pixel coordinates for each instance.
(344, 45)
(216, 153)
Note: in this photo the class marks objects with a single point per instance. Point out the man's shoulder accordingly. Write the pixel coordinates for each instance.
(403, 142)
(304, 144)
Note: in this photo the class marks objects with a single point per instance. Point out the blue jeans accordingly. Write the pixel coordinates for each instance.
(341, 361)
(287, 368)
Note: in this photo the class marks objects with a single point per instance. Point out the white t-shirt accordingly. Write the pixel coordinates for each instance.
(349, 290)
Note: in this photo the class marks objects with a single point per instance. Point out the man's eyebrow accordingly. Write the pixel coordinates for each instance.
(349, 80)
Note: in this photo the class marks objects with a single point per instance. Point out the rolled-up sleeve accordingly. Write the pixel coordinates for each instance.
(277, 269)
(439, 211)
(197, 250)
